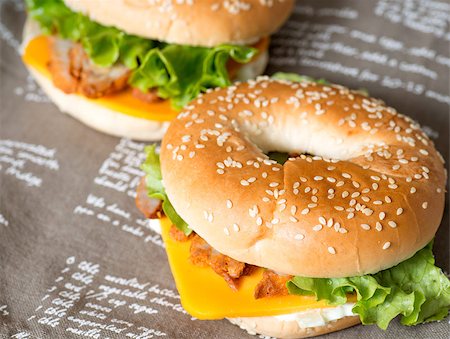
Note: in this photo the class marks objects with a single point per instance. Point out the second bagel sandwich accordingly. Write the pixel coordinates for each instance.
(126, 67)
(340, 233)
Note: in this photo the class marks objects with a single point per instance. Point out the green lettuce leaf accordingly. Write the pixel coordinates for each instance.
(279, 157)
(179, 72)
(182, 72)
(415, 289)
(155, 188)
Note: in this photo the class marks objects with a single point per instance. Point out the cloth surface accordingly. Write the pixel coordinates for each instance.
(77, 260)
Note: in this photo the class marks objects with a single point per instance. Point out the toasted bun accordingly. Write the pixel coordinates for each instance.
(107, 120)
(285, 329)
(198, 23)
(376, 203)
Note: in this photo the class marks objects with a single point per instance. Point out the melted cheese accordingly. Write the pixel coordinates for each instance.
(37, 56)
(205, 295)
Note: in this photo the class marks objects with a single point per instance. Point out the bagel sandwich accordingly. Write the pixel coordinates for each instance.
(337, 233)
(126, 67)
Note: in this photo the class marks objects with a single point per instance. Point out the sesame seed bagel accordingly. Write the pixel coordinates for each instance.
(200, 23)
(370, 195)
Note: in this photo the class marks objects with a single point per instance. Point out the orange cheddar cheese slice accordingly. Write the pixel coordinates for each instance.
(206, 295)
(37, 56)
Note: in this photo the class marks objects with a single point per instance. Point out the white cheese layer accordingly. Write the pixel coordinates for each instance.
(318, 316)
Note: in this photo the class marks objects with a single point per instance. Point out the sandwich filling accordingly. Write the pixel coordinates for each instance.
(415, 289)
(96, 60)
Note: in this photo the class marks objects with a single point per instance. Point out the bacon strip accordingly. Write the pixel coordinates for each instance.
(202, 254)
(272, 284)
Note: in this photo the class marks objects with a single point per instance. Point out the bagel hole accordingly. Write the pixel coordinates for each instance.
(282, 157)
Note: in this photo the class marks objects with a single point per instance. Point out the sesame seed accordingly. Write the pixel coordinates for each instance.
(331, 250)
(399, 211)
(425, 205)
(365, 227)
(386, 245)
(305, 211)
(322, 220)
(318, 178)
(293, 209)
(317, 228)
(299, 236)
(236, 227)
(229, 204)
(244, 183)
(275, 221)
(330, 222)
(378, 226)
(382, 215)
(346, 175)
(226, 231)
(259, 221)
(220, 171)
(293, 219)
(350, 215)
(392, 224)
(387, 199)
(342, 230)
(413, 190)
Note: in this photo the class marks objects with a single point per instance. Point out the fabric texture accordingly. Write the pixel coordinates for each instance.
(77, 259)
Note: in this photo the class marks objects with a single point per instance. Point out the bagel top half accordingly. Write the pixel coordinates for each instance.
(200, 23)
(366, 193)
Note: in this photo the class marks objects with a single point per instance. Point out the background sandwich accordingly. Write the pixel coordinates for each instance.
(126, 67)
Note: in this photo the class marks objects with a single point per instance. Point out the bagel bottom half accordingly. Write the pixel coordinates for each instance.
(108, 120)
(290, 329)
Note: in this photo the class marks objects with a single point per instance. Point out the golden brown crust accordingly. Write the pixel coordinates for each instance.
(316, 217)
(202, 23)
(273, 327)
